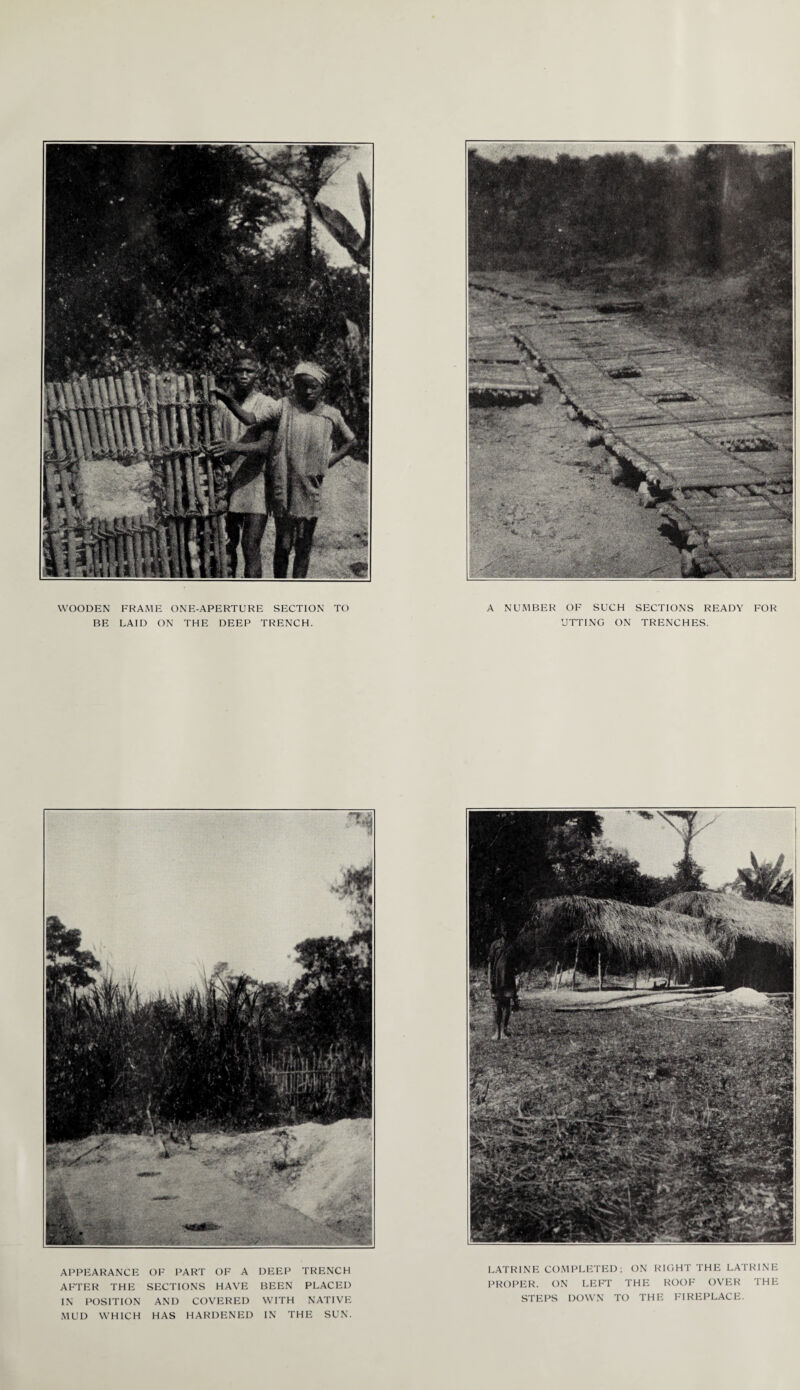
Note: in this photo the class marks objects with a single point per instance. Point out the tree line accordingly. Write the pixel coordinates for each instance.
(207, 1054)
(721, 209)
(516, 857)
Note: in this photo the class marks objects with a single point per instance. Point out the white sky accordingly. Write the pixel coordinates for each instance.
(721, 850)
(164, 893)
(549, 149)
(341, 193)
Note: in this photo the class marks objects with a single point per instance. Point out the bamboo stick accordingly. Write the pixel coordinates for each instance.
(106, 445)
(119, 546)
(115, 444)
(163, 548)
(51, 498)
(144, 413)
(88, 403)
(118, 403)
(55, 423)
(215, 500)
(198, 472)
(167, 424)
(160, 443)
(146, 537)
(88, 550)
(133, 412)
(70, 519)
(130, 552)
(69, 424)
(80, 430)
(182, 425)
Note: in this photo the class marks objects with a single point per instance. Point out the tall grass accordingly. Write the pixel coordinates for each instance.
(214, 1054)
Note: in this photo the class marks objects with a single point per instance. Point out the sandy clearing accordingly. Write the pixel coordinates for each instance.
(321, 1173)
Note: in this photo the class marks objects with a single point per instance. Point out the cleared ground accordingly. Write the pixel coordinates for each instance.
(540, 504)
(306, 1184)
(636, 1125)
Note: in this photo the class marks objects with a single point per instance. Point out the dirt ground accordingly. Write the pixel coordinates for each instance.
(323, 1171)
(341, 542)
(666, 1124)
(542, 506)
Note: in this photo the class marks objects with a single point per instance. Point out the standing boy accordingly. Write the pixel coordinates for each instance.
(311, 437)
(248, 502)
(502, 982)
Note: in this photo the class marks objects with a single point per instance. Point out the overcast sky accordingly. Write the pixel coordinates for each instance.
(721, 849)
(164, 893)
(549, 149)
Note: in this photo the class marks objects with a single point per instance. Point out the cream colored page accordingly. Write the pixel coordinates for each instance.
(418, 702)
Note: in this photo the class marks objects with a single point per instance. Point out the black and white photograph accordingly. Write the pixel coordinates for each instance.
(630, 340)
(631, 1025)
(208, 1028)
(206, 361)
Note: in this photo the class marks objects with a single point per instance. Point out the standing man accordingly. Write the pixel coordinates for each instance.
(502, 982)
(248, 447)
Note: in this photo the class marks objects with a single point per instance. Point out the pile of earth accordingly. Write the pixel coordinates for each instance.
(324, 1171)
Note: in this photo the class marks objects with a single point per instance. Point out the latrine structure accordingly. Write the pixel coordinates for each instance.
(164, 423)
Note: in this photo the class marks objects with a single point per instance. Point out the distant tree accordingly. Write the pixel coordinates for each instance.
(332, 999)
(687, 825)
(516, 857)
(68, 967)
(303, 171)
(766, 882)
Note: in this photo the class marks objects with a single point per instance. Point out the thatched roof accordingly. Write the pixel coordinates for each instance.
(634, 936)
(729, 918)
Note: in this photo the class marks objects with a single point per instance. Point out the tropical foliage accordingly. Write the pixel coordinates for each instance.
(176, 256)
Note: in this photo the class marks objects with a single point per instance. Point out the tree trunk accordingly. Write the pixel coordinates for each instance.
(599, 971)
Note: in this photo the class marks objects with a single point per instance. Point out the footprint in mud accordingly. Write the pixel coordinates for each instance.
(359, 568)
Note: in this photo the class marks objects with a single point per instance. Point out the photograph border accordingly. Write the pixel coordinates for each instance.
(342, 810)
(621, 1244)
(188, 579)
(625, 579)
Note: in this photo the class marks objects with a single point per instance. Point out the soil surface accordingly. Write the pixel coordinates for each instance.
(341, 541)
(543, 507)
(265, 1178)
(662, 1124)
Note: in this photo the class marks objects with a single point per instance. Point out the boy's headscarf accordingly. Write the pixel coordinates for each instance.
(311, 369)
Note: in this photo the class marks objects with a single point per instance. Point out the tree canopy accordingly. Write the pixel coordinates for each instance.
(172, 257)
(517, 857)
(721, 208)
(67, 966)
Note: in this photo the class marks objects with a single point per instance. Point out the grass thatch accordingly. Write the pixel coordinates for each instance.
(729, 918)
(629, 937)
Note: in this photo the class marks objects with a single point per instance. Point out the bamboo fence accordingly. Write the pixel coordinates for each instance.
(165, 419)
(299, 1077)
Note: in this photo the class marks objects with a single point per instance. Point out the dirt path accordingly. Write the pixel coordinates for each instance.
(542, 507)
(341, 540)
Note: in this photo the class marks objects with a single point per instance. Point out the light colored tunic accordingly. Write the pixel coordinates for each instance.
(248, 491)
(304, 442)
